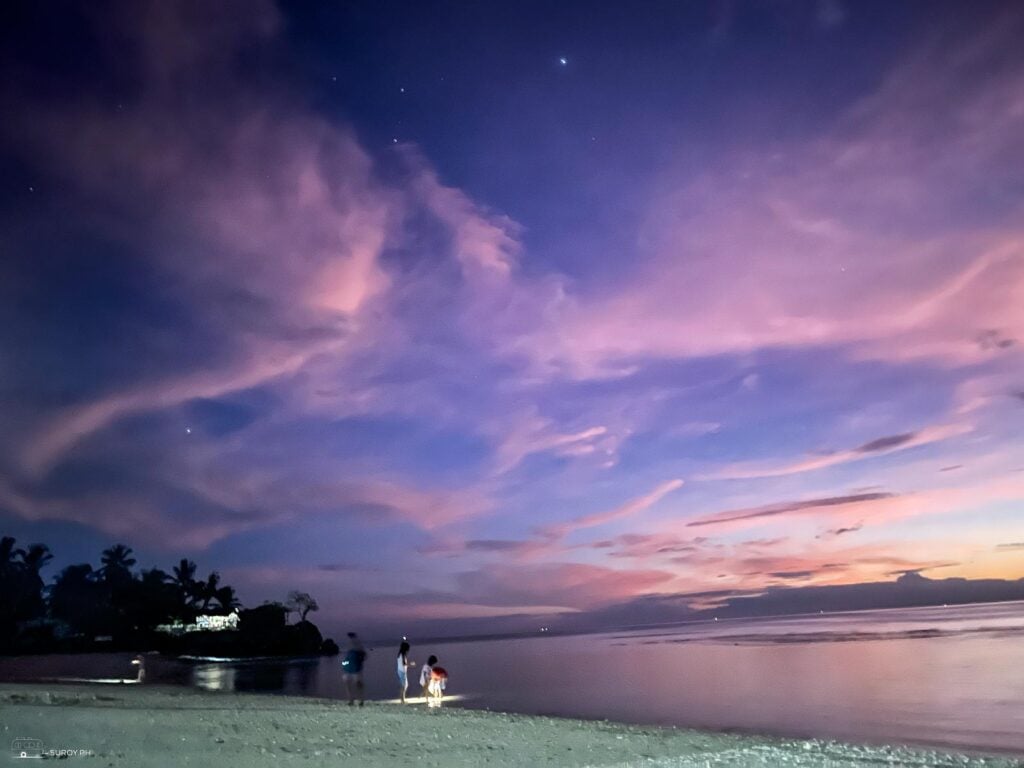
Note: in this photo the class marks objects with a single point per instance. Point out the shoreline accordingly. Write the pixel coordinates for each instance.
(126, 725)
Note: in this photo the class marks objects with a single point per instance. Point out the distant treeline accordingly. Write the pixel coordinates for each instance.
(116, 607)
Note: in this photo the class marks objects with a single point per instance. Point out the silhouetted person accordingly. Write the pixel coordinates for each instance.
(352, 666)
(425, 677)
(403, 665)
(433, 680)
(438, 682)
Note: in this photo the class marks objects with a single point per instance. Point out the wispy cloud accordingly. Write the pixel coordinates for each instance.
(836, 242)
(453, 393)
(629, 509)
(787, 508)
(878, 446)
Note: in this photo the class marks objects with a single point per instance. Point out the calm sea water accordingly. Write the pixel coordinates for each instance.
(944, 676)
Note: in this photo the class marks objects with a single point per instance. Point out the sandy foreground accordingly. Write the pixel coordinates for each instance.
(153, 726)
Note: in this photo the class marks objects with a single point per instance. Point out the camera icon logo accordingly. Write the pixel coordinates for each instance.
(26, 748)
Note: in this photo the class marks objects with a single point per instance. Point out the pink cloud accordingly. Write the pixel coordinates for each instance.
(548, 539)
(532, 434)
(882, 446)
(265, 202)
(651, 545)
(135, 518)
(69, 426)
(486, 245)
(629, 509)
(570, 585)
(260, 198)
(288, 495)
(858, 239)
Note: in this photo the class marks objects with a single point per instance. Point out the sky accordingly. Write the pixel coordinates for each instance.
(451, 312)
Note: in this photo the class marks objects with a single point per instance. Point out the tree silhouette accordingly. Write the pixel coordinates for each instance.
(125, 606)
(32, 561)
(36, 557)
(208, 590)
(10, 586)
(184, 580)
(185, 576)
(79, 599)
(117, 562)
(116, 576)
(226, 599)
(154, 599)
(302, 603)
(8, 553)
(21, 586)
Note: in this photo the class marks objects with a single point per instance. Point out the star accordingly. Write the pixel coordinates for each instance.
(563, 61)
(188, 430)
(401, 90)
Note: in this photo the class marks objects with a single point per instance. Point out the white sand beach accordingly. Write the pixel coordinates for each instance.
(139, 726)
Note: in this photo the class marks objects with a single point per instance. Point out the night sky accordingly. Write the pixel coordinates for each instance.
(480, 309)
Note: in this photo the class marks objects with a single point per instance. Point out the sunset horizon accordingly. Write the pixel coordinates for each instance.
(468, 319)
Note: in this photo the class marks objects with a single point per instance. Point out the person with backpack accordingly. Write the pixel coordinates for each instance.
(352, 668)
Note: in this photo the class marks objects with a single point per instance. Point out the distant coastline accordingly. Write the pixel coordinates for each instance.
(653, 612)
(117, 608)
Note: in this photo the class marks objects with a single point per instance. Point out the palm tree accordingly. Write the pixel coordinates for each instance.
(208, 590)
(155, 599)
(227, 599)
(32, 561)
(117, 562)
(8, 553)
(21, 588)
(11, 584)
(35, 557)
(79, 599)
(185, 579)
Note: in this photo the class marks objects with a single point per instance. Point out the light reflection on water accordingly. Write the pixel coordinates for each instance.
(215, 677)
(941, 676)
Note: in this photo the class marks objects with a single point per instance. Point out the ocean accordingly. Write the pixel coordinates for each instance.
(944, 676)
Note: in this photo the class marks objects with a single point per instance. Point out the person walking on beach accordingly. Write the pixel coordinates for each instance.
(352, 666)
(403, 664)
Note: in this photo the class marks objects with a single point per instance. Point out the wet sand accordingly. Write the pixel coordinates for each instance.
(127, 725)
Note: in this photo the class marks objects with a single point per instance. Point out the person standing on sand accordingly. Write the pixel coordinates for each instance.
(403, 669)
(433, 680)
(352, 666)
(425, 677)
(438, 682)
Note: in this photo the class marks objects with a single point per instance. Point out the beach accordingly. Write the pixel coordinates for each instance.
(126, 725)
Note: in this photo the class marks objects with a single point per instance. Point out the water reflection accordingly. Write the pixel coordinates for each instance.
(214, 677)
(272, 676)
(876, 676)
